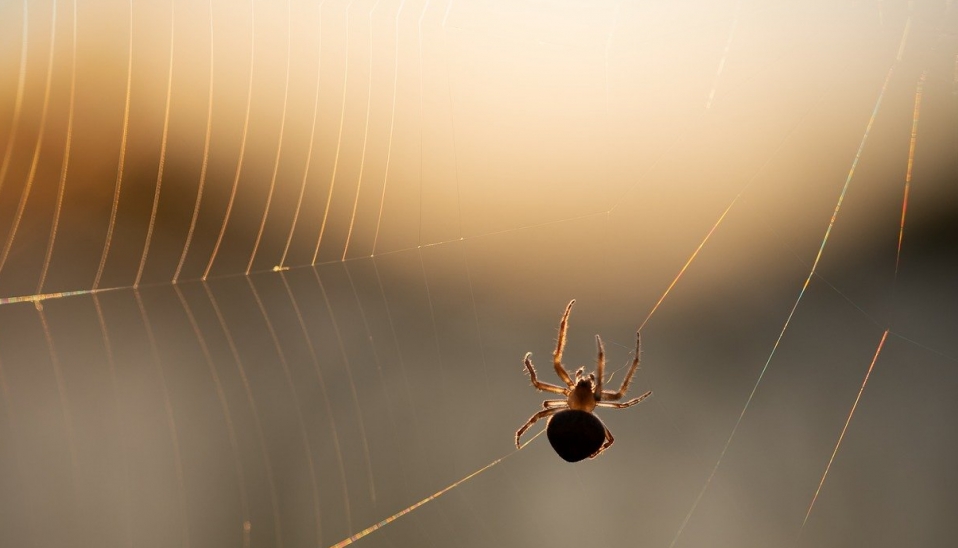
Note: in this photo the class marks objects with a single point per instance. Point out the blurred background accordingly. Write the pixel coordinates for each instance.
(268, 270)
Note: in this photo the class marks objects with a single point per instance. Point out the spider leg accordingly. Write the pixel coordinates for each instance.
(544, 386)
(532, 420)
(555, 404)
(599, 368)
(560, 345)
(623, 405)
(608, 395)
(605, 445)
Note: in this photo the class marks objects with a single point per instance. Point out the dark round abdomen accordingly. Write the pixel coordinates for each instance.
(575, 435)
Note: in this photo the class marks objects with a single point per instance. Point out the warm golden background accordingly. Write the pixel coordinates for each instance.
(440, 178)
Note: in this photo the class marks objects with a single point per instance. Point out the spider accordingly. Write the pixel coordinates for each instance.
(574, 431)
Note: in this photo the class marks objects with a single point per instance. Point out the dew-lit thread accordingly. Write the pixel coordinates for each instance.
(224, 405)
(925, 347)
(392, 127)
(290, 385)
(421, 121)
(410, 401)
(691, 258)
(62, 393)
(322, 387)
(163, 143)
(274, 498)
(678, 138)
(372, 346)
(466, 238)
(117, 409)
(25, 194)
(369, 335)
(721, 218)
(65, 162)
(57, 295)
(445, 16)
(279, 144)
(242, 151)
(339, 139)
(362, 158)
(904, 38)
(791, 313)
(911, 152)
(392, 328)
(844, 429)
(312, 137)
(435, 327)
(170, 420)
(61, 294)
(911, 161)
(484, 234)
(18, 101)
(401, 513)
(475, 313)
(606, 90)
(352, 385)
(206, 160)
(824, 280)
(414, 438)
(432, 314)
(452, 119)
(728, 46)
(475, 317)
(48, 296)
(642, 176)
(122, 160)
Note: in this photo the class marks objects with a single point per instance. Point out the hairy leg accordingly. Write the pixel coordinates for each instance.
(605, 445)
(599, 368)
(533, 420)
(544, 386)
(623, 405)
(560, 345)
(608, 395)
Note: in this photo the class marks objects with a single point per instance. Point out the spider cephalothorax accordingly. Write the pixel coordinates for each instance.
(574, 432)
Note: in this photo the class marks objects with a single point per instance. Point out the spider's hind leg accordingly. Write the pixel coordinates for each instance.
(605, 445)
(623, 405)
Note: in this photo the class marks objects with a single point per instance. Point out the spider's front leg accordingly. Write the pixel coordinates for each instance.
(599, 369)
(560, 346)
(544, 386)
(533, 420)
(608, 395)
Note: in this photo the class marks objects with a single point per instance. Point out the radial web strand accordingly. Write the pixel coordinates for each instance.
(206, 160)
(791, 313)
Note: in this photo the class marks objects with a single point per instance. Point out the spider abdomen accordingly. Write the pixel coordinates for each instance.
(575, 434)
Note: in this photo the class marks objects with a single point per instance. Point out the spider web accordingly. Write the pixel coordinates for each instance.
(285, 258)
